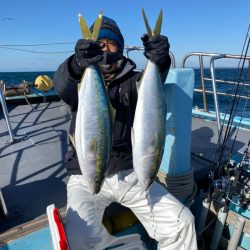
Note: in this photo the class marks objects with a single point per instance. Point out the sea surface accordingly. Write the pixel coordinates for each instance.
(241, 106)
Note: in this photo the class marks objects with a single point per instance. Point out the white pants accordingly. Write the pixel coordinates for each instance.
(166, 219)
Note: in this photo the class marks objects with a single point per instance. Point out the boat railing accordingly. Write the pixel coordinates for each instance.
(5, 112)
(213, 57)
(128, 49)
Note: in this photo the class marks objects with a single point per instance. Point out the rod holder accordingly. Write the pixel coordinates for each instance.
(219, 226)
(235, 238)
(203, 214)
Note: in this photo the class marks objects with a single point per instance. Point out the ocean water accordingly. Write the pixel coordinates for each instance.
(241, 106)
(225, 102)
(11, 78)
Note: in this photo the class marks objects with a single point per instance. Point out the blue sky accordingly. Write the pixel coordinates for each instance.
(191, 26)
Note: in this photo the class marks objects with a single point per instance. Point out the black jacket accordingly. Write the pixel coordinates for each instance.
(122, 93)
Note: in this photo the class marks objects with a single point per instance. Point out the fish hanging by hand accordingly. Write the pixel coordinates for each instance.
(148, 132)
(93, 131)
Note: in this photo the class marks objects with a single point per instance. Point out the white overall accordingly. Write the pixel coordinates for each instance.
(166, 219)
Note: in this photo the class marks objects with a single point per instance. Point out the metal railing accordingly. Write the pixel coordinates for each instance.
(128, 49)
(214, 92)
(5, 112)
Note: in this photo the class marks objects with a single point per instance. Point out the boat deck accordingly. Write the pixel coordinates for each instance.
(32, 175)
(204, 143)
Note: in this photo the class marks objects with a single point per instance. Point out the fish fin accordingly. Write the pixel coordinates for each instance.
(149, 31)
(157, 29)
(97, 26)
(92, 152)
(84, 28)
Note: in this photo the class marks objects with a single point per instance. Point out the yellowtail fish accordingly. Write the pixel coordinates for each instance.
(93, 129)
(148, 132)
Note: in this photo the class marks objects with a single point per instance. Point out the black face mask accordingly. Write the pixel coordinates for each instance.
(110, 57)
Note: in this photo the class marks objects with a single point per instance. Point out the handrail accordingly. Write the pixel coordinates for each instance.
(131, 48)
(222, 93)
(201, 55)
(5, 111)
(216, 103)
(214, 57)
(226, 81)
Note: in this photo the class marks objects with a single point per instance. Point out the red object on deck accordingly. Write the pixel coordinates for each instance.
(63, 239)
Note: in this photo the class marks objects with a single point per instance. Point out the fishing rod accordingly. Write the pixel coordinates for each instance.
(238, 127)
(221, 147)
(219, 176)
(236, 99)
(223, 163)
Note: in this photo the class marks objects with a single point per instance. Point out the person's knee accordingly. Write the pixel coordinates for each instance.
(182, 236)
(79, 234)
(85, 234)
(185, 220)
(79, 239)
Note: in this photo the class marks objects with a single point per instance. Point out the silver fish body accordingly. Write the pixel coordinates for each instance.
(93, 130)
(148, 132)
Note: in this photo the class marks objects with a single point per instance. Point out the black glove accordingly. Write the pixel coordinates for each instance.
(87, 52)
(156, 48)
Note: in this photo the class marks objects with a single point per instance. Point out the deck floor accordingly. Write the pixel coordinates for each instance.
(32, 173)
(204, 145)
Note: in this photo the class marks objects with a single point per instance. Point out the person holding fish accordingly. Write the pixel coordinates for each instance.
(166, 219)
